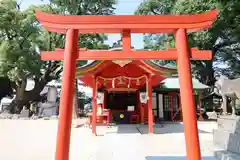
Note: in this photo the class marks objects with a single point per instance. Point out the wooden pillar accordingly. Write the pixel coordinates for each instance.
(141, 110)
(142, 113)
(94, 107)
(126, 40)
(104, 100)
(158, 115)
(65, 113)
(187, 101)
(180, 107)
(138, 104)
(150, 113)
(171, 106)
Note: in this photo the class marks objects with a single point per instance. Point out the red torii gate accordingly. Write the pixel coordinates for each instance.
(179, 25)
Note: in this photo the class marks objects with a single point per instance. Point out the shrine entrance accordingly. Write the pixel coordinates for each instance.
(179, 25)
(120, 84)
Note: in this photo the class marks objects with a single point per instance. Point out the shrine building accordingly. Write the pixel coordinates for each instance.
(121, 83)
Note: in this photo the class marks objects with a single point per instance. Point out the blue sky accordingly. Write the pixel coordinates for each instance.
(123, 7)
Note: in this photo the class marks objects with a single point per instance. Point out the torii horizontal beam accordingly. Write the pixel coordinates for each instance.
(136, 24)
(84, 54)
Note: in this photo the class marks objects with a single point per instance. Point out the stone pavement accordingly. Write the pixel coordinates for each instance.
(35, 140)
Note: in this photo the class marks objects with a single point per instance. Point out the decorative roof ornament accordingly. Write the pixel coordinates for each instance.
(122, 63)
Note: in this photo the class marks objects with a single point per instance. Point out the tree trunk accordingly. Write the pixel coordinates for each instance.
(21, 90)
(23, 98)
(5, 87)
(17, 104)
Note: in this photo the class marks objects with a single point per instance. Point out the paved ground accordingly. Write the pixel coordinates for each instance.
(35, 140)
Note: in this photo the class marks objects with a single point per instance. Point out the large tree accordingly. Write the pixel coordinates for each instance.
(21, 39)
(222, 38)
(20, 59)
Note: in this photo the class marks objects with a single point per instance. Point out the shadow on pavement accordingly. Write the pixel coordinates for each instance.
(167, 129)
(174, 158)
(158, 129)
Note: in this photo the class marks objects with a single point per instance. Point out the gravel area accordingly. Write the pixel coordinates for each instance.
(36, 140)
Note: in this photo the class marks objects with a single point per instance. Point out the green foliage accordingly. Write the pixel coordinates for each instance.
(155, 7)
(75, 7)
(222, 38)
(85, 7)
(18, 45)
(21, 37)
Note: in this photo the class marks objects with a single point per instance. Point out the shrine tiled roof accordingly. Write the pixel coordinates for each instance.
(173, 83)
(92, 65)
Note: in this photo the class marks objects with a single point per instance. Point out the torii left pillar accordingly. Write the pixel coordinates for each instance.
(65, 119)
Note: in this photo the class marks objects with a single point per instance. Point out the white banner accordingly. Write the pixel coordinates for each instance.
(143, 97)
(100, 98)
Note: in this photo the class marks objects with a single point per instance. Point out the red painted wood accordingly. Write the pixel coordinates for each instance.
(65, 119)
(187, 100)
(136, 24)
(122, 55)
(150, 112)
(131, 70)
(115, 24)
(126, 40)
(102, 119)
(94, 107)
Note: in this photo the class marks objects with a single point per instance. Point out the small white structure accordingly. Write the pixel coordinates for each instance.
(6, 101)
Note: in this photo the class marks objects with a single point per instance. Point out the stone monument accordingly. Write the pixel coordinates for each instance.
(228, 88)
(227, 138)
(49, 108)
(25, 113)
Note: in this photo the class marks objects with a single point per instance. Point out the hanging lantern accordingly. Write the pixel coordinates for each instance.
(122, 63)
(144, 97)
(100, 98)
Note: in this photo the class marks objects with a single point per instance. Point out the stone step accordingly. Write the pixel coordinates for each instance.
(221, 138)
(226, 140)
(226, 155)
(234, 143)
(229, 123)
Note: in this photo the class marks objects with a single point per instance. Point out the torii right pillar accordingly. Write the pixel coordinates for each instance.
(187, 100)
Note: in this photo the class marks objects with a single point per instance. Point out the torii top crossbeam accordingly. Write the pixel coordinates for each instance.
(136, 24)
(126, 25)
